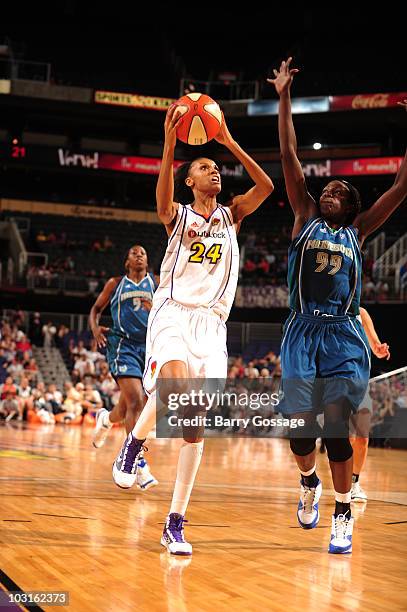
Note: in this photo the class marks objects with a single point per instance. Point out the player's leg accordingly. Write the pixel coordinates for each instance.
(360, 444)
(125, 465)
(298, 349)
(340, 455)
(344, 365)
(105, 421)
(132, 392)
(304, 451)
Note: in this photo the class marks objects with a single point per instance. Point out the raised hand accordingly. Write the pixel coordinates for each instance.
(283, 77)
(224, 136)
(172, 120)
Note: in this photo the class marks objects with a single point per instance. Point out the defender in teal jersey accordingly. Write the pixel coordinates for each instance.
(130, 298)
(325, 354)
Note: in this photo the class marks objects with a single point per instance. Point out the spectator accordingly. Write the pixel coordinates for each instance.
(36, 329)
(48, 331)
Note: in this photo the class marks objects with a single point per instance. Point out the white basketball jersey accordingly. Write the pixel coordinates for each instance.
(201, 263)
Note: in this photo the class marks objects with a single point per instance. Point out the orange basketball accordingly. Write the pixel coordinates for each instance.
(201, 118)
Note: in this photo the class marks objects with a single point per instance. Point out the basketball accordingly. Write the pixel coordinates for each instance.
(202, 118)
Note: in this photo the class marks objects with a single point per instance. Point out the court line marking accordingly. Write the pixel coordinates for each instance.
(9, 584)
(86, 518)
(197, 525)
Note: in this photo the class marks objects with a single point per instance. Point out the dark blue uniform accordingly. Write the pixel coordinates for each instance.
(126, 342)
(325, 355)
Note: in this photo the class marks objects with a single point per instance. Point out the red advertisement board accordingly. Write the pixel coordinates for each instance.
(140, 165)
(366, 166)
(363, 101)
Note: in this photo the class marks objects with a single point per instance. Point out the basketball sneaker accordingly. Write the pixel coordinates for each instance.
(145, 480)
(357, 494)
(341, 534)
(102, 428)
(173, 535)
(125, 465)
(308, 512)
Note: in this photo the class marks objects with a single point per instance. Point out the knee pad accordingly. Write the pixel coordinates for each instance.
(302, 446)
(338, 449)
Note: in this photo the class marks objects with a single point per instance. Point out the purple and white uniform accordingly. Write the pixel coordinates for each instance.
(198, 280)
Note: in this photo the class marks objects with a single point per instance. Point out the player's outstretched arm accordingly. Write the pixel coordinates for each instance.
(301, 201)
(166, 207)
(243, 205)
(98, 307)
(371, 219)
(380, 349)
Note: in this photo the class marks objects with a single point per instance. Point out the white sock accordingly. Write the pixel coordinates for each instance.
(189, 459)
(309, 472)
(148, 416)
(344, 498)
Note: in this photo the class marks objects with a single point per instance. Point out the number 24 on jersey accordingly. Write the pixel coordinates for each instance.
(213, 253)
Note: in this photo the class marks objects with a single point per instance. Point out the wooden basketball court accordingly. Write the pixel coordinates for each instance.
(66, 527)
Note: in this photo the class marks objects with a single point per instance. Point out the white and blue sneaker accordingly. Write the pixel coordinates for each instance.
(145, 479)
(308, 512)
(357, 494)
(102, 428)
(341, 534)
(173, 535)
(125, 465)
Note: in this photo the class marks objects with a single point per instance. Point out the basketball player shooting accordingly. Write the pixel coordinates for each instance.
(323, 339)
(186, 335)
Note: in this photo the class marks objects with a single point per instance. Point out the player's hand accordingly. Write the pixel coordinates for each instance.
(100, 335)
(172, 121)
(381, 350)
(224, 137)
(146, 304)
(403, 103)
(284, 77)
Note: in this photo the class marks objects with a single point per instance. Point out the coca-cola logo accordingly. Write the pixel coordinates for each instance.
(373, 101)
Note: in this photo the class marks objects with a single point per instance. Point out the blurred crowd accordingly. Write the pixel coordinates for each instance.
(23, 393)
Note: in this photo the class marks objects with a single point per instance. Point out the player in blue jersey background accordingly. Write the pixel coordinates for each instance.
(325, 354)
(130, 298)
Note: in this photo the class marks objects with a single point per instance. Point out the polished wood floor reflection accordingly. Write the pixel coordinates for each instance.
(66, 526)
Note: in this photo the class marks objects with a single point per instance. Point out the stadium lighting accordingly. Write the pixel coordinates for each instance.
(317, 146)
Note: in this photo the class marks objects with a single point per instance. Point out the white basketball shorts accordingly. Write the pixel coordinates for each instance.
(196, 336)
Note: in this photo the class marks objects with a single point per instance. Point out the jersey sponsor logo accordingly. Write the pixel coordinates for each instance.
(195, 224)
(204, 234)
(123, 368)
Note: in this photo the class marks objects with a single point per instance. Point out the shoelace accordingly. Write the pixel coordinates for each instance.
(308, 499)
(131, 454)
(341, 525)
(176, 526)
